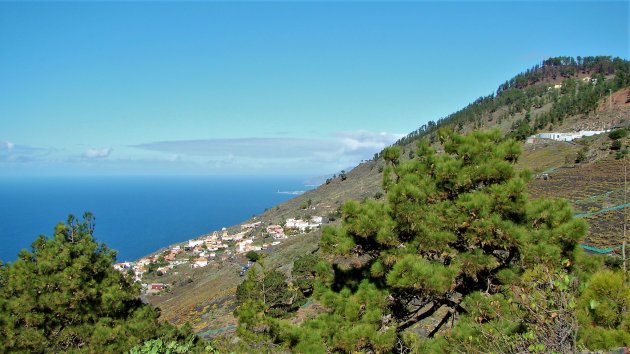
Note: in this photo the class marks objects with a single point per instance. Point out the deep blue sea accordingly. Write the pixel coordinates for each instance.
(134, 215)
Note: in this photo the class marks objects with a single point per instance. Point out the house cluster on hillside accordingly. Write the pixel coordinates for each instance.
(303, 225)
(200, 252)
(278, 233)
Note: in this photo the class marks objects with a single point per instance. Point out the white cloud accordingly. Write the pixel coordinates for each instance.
(249, 147)
(6, 146)
(97, 153)
(277, 155)
(15, 153)
(368, 141)
(353, 143)
(327, 154)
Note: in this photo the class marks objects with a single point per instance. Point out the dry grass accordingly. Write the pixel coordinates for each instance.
(208, 301)
(546, 155)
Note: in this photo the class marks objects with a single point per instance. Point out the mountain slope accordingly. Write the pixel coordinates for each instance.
(594, 94)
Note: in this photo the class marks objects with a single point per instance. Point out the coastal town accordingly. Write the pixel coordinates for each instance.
(217, 246)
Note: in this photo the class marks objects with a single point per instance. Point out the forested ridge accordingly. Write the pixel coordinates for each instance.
(530, 90)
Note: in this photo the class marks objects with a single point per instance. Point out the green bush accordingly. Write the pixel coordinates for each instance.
(616, 145)
(581, 155)
(252, 256)
(618, 134)
(604, 311)
(621, 154)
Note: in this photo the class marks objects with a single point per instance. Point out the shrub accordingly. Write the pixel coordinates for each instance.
(252, 256)
(581, 155)
(618, 134)
(621, 154)
(604, 311)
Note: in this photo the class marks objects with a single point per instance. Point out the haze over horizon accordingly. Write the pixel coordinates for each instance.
(264, 88)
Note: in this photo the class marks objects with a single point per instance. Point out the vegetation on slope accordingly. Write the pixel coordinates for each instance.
(209, 300)
(458, 241)
(530, 90)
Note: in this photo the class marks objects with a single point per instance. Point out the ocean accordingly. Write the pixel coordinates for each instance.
(134, 215)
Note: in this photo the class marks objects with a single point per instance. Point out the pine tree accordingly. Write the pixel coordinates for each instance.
(304, 273)
(269, 290)
(64, 296)
(456, 231)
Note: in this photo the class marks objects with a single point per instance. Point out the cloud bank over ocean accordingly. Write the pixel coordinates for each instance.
(360, 144)
(261, 155)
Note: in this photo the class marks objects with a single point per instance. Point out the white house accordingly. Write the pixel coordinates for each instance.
(122, 266)
(556, 136)
(299, 224)
(195, 243)
(244, 246)
(274, 229)
(239, 236)
(296, 224)
(568, 136)
(279, 236)
(200, 262)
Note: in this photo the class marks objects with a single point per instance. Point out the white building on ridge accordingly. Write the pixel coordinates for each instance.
(566, 136)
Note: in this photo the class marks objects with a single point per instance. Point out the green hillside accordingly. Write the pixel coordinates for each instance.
(594, 95)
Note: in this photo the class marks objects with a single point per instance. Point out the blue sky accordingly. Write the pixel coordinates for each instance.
(272, 88)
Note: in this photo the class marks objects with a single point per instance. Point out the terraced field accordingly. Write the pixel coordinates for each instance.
(590, 188)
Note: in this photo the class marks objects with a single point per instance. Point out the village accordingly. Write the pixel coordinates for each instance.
(218, 246)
